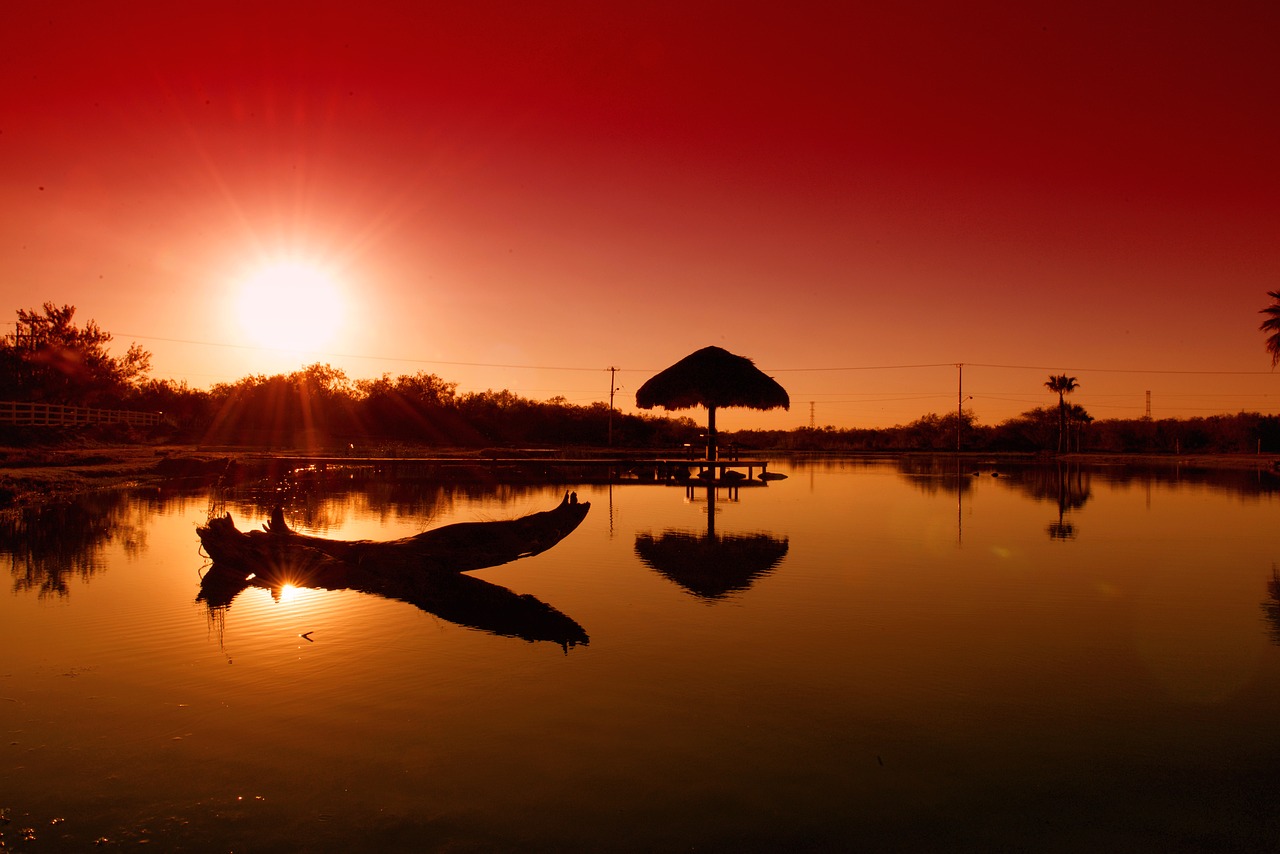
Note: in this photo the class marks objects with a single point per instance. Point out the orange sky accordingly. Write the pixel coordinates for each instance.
(522, 195)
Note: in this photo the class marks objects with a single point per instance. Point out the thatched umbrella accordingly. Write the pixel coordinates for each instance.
(712, 377)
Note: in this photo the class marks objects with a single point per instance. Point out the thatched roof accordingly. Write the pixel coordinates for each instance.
(712, 377)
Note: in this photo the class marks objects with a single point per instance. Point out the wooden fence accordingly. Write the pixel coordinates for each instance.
(56, 415)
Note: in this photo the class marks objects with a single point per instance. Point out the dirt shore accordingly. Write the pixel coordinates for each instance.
(33, 475)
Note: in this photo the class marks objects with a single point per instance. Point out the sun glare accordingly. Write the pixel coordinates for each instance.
(290, 305)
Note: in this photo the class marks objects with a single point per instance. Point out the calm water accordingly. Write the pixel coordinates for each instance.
(870, 656)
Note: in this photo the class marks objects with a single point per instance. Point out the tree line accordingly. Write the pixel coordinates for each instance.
(1037, 431)
(48, 358)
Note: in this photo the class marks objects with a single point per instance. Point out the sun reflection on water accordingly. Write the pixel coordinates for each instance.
(909, 633)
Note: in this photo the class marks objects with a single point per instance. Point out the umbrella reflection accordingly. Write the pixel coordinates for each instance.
(711, 566)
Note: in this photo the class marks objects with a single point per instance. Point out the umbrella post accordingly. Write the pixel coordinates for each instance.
(711, 434)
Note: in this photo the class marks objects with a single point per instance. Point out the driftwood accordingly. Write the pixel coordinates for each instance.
(425, 570)
(452, 548)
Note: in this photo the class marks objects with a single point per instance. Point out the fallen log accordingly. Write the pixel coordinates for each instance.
(425, 570)
(452, 548)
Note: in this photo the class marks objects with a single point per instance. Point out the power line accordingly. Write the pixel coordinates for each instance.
(859, 368)
(774, 370)
(845, 368)
(1119, 370)
(1024, 368)
(887, 399)
(355, 356)
(817, 394)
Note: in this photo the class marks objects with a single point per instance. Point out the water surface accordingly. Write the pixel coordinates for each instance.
(869, 655)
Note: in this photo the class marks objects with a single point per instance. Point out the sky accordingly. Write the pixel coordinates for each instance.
(860, 197)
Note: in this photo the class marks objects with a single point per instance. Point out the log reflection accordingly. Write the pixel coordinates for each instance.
(458, 598)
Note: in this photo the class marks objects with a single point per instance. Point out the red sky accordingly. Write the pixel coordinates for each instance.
(522, 195)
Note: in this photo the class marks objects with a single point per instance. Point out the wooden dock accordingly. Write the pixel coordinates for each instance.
(672, 471)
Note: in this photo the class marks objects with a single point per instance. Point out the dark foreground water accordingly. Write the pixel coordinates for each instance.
(865, 656)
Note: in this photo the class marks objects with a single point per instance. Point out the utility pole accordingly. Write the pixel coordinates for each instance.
(811, 422)
(612, 388)
(959, 401)
(1148, 416)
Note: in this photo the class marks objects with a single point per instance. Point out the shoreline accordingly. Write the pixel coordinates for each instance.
(38, 475)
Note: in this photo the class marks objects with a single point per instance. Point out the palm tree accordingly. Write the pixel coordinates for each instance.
(1272, 325)
(1062, 385)
(1077, 419)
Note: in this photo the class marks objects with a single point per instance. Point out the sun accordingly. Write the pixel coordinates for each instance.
(290, 305)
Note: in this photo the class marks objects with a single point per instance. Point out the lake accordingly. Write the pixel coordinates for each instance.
(874, 655)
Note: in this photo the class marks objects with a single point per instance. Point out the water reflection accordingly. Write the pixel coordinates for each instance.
(50, 545)
(1131, 672)
(1271, 608)
(458, 598)
(932, 475)
(424, 570)
(1066, 485)
(1244, 481)
(1061, 530)
(711, 565)
(1039, 479)
(325, 501)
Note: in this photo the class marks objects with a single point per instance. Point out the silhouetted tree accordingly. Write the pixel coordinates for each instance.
(1061, 385)
(184, 407)
(1033, 430)
(1077, 419)
(1272, 326)
(48, 358)
(304, 408)
(417, 408)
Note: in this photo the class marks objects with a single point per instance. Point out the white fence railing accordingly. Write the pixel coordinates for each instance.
(57, 415)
